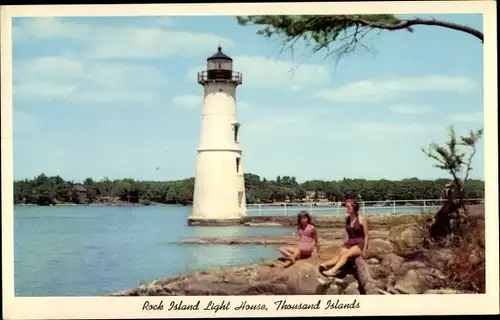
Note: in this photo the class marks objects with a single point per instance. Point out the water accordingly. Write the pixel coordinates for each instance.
(89, 251)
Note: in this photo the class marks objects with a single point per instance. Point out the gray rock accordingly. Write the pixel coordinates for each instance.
(392, 261)
(442, 291)
(380, 283)
(378, 248)
(410, 283)
(352, 289)
(379, 271)
(405, 266)
(333, 289)
(407, 236)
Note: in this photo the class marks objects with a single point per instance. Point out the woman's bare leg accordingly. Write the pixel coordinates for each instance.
(330, 263)
(351, 253)
(293, 256)
(287, 252)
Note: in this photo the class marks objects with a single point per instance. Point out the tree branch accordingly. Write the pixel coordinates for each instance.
(407, 24)
(469, 167)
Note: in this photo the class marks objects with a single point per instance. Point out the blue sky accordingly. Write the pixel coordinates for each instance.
(117, 97)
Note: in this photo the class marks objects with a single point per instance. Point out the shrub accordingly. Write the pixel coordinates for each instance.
(465, 269)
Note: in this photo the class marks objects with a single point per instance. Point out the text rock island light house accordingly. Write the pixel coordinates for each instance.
(219, 190)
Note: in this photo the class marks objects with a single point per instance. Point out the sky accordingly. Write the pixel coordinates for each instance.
(118, 97)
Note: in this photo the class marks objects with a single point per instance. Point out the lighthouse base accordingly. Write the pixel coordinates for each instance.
(194, 222)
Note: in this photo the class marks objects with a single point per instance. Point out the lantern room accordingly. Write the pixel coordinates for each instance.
(219, 69)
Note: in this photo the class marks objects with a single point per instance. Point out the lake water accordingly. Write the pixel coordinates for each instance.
(94, 250)
(88, 251)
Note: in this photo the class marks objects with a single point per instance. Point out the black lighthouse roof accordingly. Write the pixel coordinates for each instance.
(219, 55)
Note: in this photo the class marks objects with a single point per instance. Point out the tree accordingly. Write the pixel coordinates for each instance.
(300, 193)
(458, 164)
(321, 31)
(44, 190)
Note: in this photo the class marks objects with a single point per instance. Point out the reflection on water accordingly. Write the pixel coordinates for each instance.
(199, 256)
(233, 231)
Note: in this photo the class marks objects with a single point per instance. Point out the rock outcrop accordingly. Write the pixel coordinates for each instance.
(381, 272)
(267, 278)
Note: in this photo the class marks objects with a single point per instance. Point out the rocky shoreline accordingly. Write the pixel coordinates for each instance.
(334, 221)
(327, 238)
(394, 264)
(392, 274)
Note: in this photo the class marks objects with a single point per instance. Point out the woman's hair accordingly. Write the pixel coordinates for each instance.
(354, 203)
(302, 214)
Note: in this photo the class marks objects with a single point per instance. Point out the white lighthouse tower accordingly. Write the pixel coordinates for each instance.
(219, 191)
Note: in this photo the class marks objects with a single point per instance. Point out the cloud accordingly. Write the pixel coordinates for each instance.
(275, 122)
(378, 90)
(153, 43)
(105, 41)
(243, 105)
(42, 90)
(285, 125)
(411, 109)
(190, 101)
(29, 29)
(381, 127)
(161, 21)
(467, 117)
(83, 80)
(262, 72)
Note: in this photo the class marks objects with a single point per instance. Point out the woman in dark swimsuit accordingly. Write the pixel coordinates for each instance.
(356, 243)
(308, 240)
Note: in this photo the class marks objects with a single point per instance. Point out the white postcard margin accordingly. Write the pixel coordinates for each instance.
(131, 307)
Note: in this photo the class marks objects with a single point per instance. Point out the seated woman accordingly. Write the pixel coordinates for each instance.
(356, 243)
(308, 240)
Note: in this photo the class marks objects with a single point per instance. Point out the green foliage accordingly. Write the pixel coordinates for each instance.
(322, 30)
(346, 31)
(43, 190)
(456, 161)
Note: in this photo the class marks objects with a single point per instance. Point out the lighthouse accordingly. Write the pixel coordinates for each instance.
(219, 188)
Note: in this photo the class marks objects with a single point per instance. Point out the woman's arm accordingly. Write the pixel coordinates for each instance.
(315, 237)
(364, 224)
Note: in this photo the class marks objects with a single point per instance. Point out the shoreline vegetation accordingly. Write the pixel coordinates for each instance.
(46, 190)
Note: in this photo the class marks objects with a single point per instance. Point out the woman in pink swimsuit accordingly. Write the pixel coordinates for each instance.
(308, 240)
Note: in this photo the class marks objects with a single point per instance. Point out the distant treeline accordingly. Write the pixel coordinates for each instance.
(44, 190)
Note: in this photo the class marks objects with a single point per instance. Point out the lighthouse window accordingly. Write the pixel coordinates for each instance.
(238, 164)
(219, 65)
(236, 129)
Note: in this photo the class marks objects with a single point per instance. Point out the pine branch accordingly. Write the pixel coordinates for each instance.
(407, 24)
